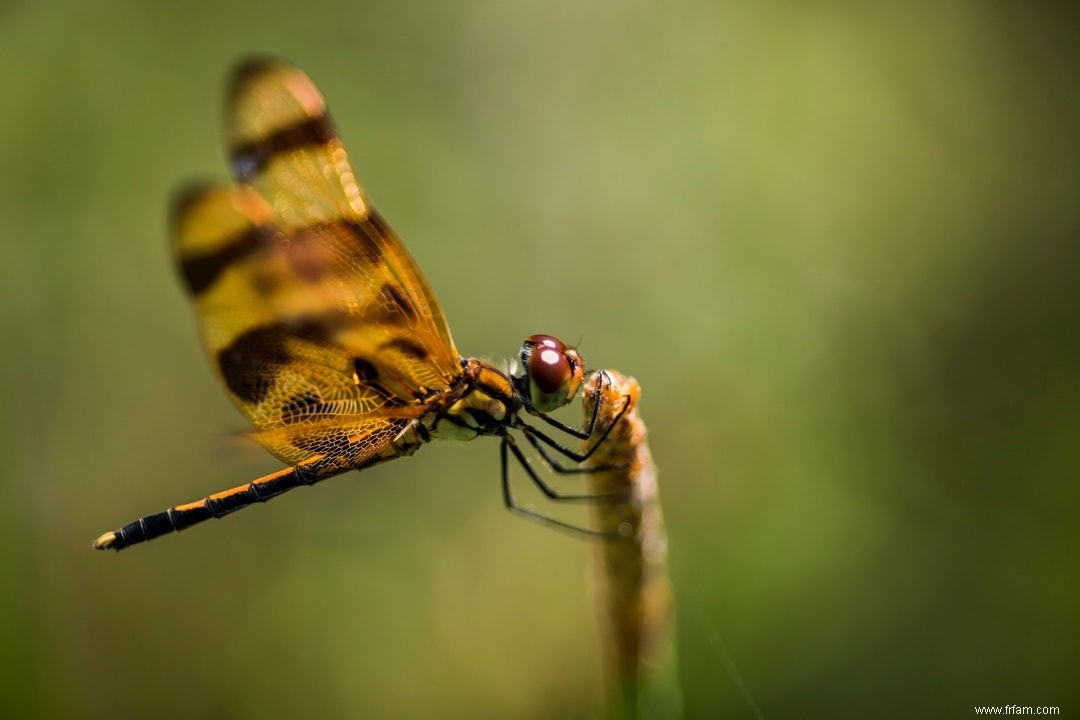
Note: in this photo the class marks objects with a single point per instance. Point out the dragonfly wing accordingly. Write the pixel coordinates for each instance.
(283, 143)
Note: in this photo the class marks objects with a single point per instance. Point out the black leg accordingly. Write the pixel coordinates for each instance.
(570, 429)
(562, 449)
(508, 496)
(539, 482)
(530, 435)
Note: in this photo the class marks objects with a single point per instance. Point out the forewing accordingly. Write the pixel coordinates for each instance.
(283, 143)
(316, 318)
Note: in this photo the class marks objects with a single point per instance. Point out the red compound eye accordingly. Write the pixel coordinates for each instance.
(549, 369)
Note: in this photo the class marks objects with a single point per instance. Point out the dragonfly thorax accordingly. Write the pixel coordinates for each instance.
(484, 404)
(487, 401)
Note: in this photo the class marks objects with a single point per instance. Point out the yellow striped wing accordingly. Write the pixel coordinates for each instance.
(323, 330)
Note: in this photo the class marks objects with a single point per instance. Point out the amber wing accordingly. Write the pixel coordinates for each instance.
(323, 330)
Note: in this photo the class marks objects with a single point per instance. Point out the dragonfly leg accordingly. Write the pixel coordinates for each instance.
(567, 452)
(550, 492)
(579, 433)
(508, 496)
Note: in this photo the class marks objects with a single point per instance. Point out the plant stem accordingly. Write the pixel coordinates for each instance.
(632, 592)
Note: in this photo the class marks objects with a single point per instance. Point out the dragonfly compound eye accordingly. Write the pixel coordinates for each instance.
(548, 368)
(554, 372)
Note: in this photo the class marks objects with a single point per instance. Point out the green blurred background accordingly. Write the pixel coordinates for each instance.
(836, 243)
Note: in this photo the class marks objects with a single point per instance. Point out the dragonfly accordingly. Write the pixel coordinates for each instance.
(324, 331)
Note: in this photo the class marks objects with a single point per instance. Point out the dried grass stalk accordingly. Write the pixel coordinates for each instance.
(632, 592)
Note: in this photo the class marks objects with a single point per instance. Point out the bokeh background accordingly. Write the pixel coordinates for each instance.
(836, 243)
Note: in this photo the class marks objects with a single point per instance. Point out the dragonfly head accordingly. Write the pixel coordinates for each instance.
(552, 372)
